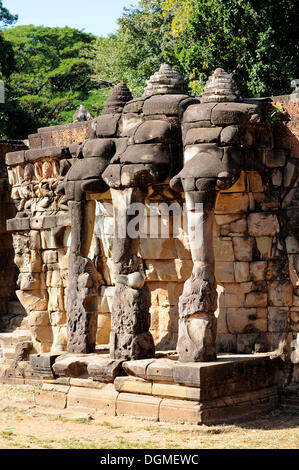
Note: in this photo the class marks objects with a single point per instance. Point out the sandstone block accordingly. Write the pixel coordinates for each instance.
(100, 399)
(198, 112)
(107, 125)
(226, 343)
(180, 411)
(232, 202)
(104, 328)
(199, 135)
(137, 368)
(280, 293)
(224, 271)
(274, 158)
(105, 369)
(256, 299)
(58, 318)
(39, 319)
(163, 104)
(158, 248)
(239, 186)
(292, 244)
(129, 123)
(165, 294)
(264, 245)
(49, 398)
(133, 385)
(243, 247)
(139, 406)
(233, 113)
(261, 224)
(277, 319)
(258, 270)
(160, 370)
(155, 131)
(176, 391)
(14, 225)
(15, 158)
(247, 320)
(223, 249)
(242, 271)
(35, 300)
(164, 318)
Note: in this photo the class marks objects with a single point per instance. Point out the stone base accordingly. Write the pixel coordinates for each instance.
(289, 397)
(231, 389)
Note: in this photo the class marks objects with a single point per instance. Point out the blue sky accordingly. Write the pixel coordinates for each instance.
(94, 16)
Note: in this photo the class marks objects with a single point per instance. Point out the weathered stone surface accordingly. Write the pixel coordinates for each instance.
(247, 320)
(117, 99)
(243, 247)
(236, 135)
(18, 224)
(233, 113)
(133, 385)
(242, 271)
(224, 271)
(42, 364)
(100, 399)
(220, 87)
(75, 365)
(138, 368)
(258, 270)
(198, 112)
(155, 131)
(15, 158)
(130, 337)
(200, 135)
(107, 125)
(280, 293)
(277, 318)
(48, 152)
(146, 153)
(261, 224)
(104, 148)
(140, 406)
(165, 81)
(105, 370)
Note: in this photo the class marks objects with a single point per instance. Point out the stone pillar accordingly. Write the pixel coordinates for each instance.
(82, 281)
(130, 337)
(209, 164)
(198, 302)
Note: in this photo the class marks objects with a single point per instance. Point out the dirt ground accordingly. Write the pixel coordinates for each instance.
(25, 426)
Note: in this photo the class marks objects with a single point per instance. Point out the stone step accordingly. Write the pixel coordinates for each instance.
(9, 353)
(20, 336)
(11, 338)
(6, 339)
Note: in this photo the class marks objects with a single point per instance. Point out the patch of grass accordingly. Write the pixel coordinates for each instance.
(108, 425)
(8, 435)
(82, 420)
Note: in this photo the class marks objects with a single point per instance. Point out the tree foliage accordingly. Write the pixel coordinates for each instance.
(6, 52)
(50, 79)
(255, 40)
(142, 43)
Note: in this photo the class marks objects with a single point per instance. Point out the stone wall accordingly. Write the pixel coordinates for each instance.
(256, 248)
(9, 308)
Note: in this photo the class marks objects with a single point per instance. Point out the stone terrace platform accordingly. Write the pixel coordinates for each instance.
(233, 388)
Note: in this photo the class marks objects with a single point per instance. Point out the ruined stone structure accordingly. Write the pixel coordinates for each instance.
(223, 281)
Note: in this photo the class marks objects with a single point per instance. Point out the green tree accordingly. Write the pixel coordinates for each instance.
(6, 52)
(141, 44)
(255, 40)
(50, 79)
